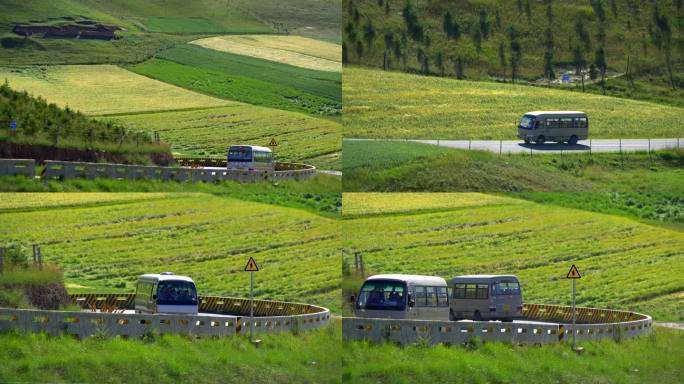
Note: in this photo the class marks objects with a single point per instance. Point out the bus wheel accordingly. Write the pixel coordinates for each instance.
(573, 140)
(477, 316)
(527, 141)
(451, 316)
(540, 140)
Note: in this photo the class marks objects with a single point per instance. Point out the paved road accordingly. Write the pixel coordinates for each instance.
(517, 146)
(329, 172)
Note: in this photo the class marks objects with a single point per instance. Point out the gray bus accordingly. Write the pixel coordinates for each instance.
(166, 293)
(403, 297)
(485, 297)
(250, 158)
(558, 126)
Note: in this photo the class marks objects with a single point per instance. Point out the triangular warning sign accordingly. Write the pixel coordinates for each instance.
(573, 273)
(251, 265)
(273, 143)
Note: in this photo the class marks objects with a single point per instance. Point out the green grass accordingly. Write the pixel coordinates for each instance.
(104, 246)
(407, 166)
(628, 38)
(310, 357)
(625, 264)
(245, 79)
(318, 195)
(601, 362)
(301, 138)
(381, 104)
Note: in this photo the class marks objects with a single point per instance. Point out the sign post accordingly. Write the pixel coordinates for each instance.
(574, 275)
(251, 267)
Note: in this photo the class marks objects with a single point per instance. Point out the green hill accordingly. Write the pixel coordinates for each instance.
(378, 104)
(103, 241)
(42, 126)
(466, 38)
(625, 264)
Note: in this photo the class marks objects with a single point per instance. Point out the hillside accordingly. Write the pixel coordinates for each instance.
(103, 242)
(640, 44)
(380, 104)
(45, 127)
(625, 264)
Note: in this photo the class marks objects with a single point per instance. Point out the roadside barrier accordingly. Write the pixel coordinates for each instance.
(543, 324)
(227, 318)
(68, 170)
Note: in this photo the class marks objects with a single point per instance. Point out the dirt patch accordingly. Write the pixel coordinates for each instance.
(40, 153)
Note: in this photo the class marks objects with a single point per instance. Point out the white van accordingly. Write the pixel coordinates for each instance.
(399, 296)
(558, 126)
(166, 293)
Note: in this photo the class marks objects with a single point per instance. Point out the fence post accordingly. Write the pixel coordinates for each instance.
(35, 254)
(356, 261)
(361, 265)
(2, 259)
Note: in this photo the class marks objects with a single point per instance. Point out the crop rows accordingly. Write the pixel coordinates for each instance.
(625, 264)
(104, 248)
(381, 104)
(210, 132)
(103, 89)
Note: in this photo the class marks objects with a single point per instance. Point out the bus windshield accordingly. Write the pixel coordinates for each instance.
(176, 293)
(382, 294)
(240, 154)
(527, 122)
(505, 288)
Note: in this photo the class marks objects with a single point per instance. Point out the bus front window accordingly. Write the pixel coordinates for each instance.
(239, 154)
(176, 293)
(384, 295)
(527, 122)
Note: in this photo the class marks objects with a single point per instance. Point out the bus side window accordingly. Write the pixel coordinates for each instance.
(459, 291)
(420, 297)
(442, 297)
(431, 296)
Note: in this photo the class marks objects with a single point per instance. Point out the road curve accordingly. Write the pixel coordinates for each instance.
(517, 146)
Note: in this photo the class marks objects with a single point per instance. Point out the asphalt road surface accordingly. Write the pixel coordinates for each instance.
(518, 146)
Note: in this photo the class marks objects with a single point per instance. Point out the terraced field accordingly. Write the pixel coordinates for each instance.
(104, 89)
(625, 264)
(103, 245)
(293, 50)
(381, 104)
(211, 131)
(247, 79)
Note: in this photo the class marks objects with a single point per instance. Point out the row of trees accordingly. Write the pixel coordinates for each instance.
(587, 47)
(34, 117)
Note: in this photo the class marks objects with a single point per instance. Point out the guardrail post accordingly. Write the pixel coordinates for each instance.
(589, 147)
(500, 146)
(2, 259)
(649, 145)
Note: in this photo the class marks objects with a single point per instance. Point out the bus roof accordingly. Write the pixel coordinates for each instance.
(480, 278)
(254, 147)
(414, 279)
(165, 277)
(539, 113)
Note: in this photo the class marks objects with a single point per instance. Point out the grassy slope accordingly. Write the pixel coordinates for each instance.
(104, 89)
(106, 245)
(209, 132)
(150, 26)
(601, 362)
(627, 35)
(400, 166)
(625, 264)
(246, 79)
(381, 104)
(310, 357)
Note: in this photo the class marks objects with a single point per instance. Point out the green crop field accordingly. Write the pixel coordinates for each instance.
(103, 89)
(309, 357)
(408, 166)
(210, 132)
(246, 79)
(381, 104)
(103, 244)
(625, 264)
(652, 359)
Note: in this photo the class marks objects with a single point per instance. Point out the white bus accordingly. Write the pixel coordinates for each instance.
(558, 126)
(250, 158)
(403, 297)
(485, 297)
(166, 293)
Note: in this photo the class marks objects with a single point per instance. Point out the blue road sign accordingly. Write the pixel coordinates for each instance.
(13, 125)
(566, 77)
